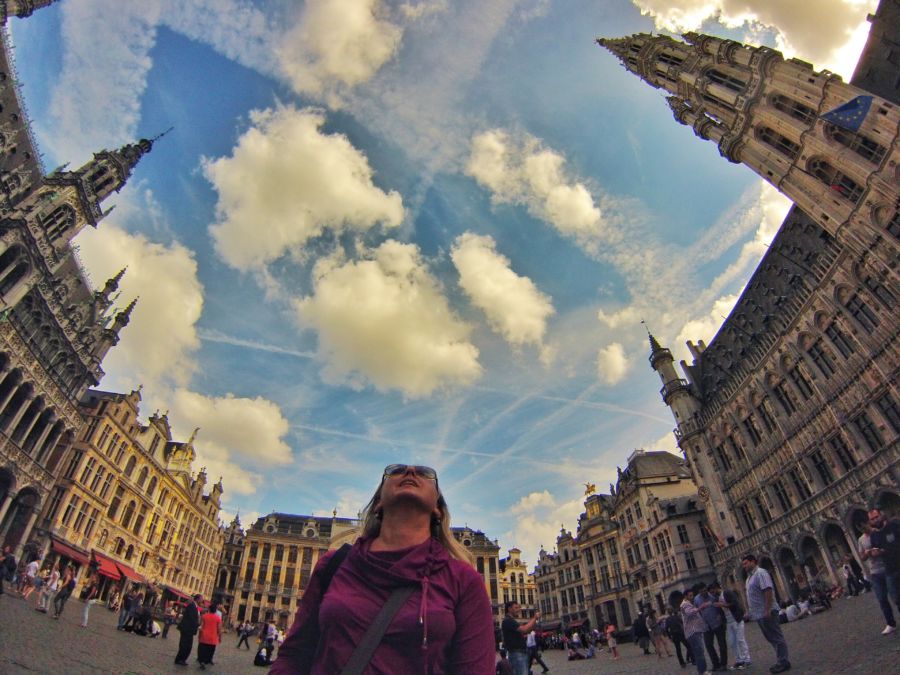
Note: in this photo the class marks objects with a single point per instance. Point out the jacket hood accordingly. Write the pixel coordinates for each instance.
(416, 563)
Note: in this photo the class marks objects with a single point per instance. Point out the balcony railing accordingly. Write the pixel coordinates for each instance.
(670, 388)
(686, 428)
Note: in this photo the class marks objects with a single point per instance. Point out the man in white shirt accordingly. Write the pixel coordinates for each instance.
(534, 652)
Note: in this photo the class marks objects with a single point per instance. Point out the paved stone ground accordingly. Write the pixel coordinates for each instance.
(844, 640)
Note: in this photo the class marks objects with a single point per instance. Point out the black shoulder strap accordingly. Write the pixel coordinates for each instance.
(333, 565)
(367, 646)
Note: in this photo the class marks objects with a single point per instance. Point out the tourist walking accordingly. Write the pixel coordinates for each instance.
(730, 604)
(883, 555)
(245, 630)
(210, 635)
(90, 592)
(675, 631)
(640, 633)
(30, 578)
(66, 588)
(611, 641)
(188, 627)
(716, 632)
(853, 585)
(760, 602)
(406, 549)
(51, 585)
(169, 617)
(514, 636)
(657, 628)
(534, 652)
(694, 625)
(125, 604)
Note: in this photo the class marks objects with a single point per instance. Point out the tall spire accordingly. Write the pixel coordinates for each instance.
(22, 8)
(123, 317)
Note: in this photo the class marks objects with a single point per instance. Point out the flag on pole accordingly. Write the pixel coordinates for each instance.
(851, 114)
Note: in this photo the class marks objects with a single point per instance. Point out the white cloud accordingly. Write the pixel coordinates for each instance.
(513, 305)
(520, 171)
(159, 343)
(337, 42)
(612, 363)
(833, 40)
(705, 327)
(538, 519)
(238, 436)
(384, 321)
(291, 181)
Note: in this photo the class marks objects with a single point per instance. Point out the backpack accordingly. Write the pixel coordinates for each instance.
(262, 657)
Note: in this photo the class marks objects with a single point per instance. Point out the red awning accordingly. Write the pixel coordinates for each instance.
(129, 573)
(177, 593)
(107, 567)
(70, 553)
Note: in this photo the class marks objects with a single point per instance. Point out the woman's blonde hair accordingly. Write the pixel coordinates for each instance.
(440, 528)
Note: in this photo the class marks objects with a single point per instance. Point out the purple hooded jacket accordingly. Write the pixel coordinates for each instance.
(445, 626)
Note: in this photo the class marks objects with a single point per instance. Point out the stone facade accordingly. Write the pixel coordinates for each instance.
(128, 495)
(486, 554)
(280, 552)
(55, 329)
(633, 546)
(230, 565)
(517, 583)
(790, 418)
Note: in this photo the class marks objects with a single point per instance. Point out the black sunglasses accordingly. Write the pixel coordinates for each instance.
(400, 469)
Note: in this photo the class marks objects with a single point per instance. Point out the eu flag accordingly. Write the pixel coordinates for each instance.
(851, 114)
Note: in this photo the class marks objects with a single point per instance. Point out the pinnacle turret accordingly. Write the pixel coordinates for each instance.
(21, 8)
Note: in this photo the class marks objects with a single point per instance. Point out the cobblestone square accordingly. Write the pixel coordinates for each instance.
(846, 639)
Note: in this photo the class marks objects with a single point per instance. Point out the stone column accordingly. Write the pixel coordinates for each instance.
(14, 421)
(4, 507)
(31, 425)
(48, 427)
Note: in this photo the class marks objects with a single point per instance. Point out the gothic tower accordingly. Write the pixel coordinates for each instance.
(773, 115)
(54, 328)
(676, 393)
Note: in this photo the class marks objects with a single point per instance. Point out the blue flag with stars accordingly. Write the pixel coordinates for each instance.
(851, 114)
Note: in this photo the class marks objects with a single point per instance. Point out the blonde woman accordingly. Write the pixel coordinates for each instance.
(444, 624)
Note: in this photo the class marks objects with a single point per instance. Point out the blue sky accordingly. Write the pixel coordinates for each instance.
(419, 232)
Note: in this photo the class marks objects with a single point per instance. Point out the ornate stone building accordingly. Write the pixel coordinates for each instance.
(662, 528)
(230, 565)
(129, 500)
(55, 330)
(633, 546)
(486, 554)
(280, 552)
(790, 417)
(516, 583)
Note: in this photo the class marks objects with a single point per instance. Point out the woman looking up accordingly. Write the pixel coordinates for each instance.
(444, 625)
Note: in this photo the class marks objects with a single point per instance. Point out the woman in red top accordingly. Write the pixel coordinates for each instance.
(210, 635)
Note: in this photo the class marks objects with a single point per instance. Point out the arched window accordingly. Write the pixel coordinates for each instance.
(728, 81)
(861, 145)
(14, 267)
(59, 220)
(142, 477)
(151, 488)
(128, 513)
(670, 59)
(120, 546)
(101, 542)
(793, 108)
(129, 553)
(129, 467)
(782, 144)
(843, 185)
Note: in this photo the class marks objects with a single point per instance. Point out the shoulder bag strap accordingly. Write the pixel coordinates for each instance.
(367, 646)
